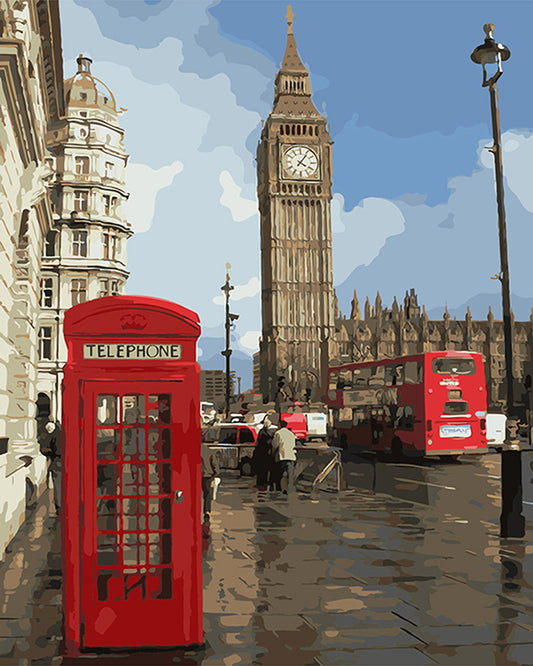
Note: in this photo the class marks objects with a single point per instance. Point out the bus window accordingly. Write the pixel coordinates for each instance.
(453, 366)
(333, 379)
(345, 379)
(377, 376)
(407, 420)
(455, 394)
(456, 407)
(411, 372)
(345, 414)
(361, 376)
(420, 372)
(394, 374)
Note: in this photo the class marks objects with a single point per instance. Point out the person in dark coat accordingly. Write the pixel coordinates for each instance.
(50, 446)
(263, 457)
(210, 471)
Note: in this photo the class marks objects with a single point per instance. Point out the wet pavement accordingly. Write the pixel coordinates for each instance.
(405, 566)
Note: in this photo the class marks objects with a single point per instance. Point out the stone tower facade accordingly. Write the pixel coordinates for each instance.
(294, 193)
(85, 252)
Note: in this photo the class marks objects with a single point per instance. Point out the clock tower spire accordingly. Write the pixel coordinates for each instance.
(294, 193)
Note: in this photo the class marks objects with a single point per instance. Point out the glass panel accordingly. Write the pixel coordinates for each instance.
(228, 436)
(107, 443)
(107, 552)
(108, 482)
(134, 514)
(134, 549)
(455, 394)
(106, 409)
(133, 479)
(107, 511)
(133, 444)
(133, 410)
(159, 408)
(160, 583)
(159, 443)
(159, 478)
(108, 585)
(159, 513)
(246, 436)
(458, 407)
(135, 585)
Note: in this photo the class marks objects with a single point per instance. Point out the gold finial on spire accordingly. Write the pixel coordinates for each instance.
(290, 16)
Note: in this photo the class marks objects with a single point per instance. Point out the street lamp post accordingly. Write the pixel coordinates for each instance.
(512, 523)
(226, 288)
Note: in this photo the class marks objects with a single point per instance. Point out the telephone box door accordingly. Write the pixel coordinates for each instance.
(138, 513)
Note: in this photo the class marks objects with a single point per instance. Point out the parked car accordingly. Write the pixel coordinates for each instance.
(234, 443)
(296, 423)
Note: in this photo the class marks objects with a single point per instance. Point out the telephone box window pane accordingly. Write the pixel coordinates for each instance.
(106, 510)
(159, 443)
(161, 584)
(159, 408)
(107, 444)
(108, 584)
(107, 480)
(106, 409)
(133, 443)
(135, 585)
(107, 553)
(160, 548)
(133, 479)
(159, 478)
(159, 513)
(133, 410)
(134, 549)
(134, 514)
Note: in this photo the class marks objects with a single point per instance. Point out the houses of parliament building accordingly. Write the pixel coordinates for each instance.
(303, 332)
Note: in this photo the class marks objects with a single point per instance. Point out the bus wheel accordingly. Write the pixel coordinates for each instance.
(246, 467)
(397, 448)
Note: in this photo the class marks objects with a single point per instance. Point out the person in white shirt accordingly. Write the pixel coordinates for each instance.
(284, 449)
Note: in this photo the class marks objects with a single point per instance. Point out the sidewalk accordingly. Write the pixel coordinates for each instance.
(321, 578)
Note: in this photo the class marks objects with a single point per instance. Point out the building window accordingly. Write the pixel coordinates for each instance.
(104, 288)
(110, 246)
(47, 292)
(50, 244)
(45, 343)
(78, 290)
(109, 170)
(79, 243)
(114, 287)
(81, 165)
(107, 204)
(106, 244)
(81, 200)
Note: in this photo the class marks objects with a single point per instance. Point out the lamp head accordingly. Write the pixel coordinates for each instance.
(490, 53)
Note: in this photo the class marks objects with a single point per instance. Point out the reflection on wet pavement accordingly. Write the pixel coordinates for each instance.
(405, 566)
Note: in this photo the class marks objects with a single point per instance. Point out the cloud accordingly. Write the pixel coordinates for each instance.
(144, 184)
(248, 290)
(250, 340)
(360, 234)
(450, 251)
(240, 209)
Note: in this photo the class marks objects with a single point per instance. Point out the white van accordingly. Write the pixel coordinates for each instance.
(496, 429)
(317, 425)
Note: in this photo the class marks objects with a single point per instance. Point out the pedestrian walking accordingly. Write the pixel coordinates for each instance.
(263, 456)
(50, 446)
(210, 472)
(284, 447)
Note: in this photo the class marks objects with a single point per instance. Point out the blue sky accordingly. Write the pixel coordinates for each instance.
(414, 203)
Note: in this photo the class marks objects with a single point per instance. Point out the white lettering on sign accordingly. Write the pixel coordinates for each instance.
(133, 351)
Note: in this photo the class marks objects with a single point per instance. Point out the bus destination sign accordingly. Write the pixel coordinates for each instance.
(132, 351)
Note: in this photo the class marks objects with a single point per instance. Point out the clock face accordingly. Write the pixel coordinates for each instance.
(300, 162)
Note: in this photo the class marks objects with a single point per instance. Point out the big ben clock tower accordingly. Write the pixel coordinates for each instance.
(294, 193)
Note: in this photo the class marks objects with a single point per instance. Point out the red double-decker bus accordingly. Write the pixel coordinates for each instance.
(425, 404)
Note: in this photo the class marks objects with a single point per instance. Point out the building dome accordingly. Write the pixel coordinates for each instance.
(85, 90)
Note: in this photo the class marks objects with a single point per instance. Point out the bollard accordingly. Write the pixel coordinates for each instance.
(512, 522)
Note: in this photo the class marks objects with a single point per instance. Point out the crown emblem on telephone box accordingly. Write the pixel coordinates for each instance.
(136, 322)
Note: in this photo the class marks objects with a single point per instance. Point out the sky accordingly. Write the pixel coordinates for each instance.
(413, 182)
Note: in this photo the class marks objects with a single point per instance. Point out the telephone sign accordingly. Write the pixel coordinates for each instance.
(131, 537)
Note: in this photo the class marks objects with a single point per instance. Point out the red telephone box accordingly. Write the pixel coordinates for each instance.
(131, 475)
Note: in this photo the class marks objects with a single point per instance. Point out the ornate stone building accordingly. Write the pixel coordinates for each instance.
(294, 193)
(85, 253)
(405, 329)
(31, 107)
